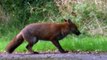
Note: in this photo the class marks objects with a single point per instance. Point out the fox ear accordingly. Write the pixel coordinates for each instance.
(65, 20)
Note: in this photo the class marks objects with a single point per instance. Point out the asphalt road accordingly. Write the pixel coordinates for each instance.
(59, 56)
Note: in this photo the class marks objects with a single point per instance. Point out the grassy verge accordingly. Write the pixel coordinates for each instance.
(71, 43)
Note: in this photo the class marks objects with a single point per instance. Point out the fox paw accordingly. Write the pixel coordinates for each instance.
(64, 51)
(34, 52)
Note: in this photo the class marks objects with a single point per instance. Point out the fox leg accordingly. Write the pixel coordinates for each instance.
(56, 43)
(31, 42)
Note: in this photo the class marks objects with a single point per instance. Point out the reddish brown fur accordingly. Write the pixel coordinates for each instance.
(43, 31)
(14, 44)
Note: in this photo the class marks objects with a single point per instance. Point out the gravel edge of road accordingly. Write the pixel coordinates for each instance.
(67, 56)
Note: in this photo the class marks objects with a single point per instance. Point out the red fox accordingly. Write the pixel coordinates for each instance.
(43, 31)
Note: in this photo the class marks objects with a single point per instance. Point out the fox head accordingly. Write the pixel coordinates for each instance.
(73, 28)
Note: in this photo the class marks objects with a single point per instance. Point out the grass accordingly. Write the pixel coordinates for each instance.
(71, 43)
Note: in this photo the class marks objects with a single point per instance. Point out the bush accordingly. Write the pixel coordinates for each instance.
(22, 12)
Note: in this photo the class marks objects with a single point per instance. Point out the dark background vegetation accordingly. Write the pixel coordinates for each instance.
(18, 13)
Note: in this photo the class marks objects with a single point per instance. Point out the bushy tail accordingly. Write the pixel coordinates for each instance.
(14, 44)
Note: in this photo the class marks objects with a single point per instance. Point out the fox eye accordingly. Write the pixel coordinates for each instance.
(65, 20)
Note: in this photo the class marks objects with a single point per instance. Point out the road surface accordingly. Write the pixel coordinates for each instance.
(52, 56)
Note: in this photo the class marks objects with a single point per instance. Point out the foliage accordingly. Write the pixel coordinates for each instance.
(92, 19)
(22, 12)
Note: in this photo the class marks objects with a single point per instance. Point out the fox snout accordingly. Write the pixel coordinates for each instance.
(76, 32)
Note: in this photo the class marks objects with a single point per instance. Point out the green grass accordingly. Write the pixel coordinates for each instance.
(71, 43)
